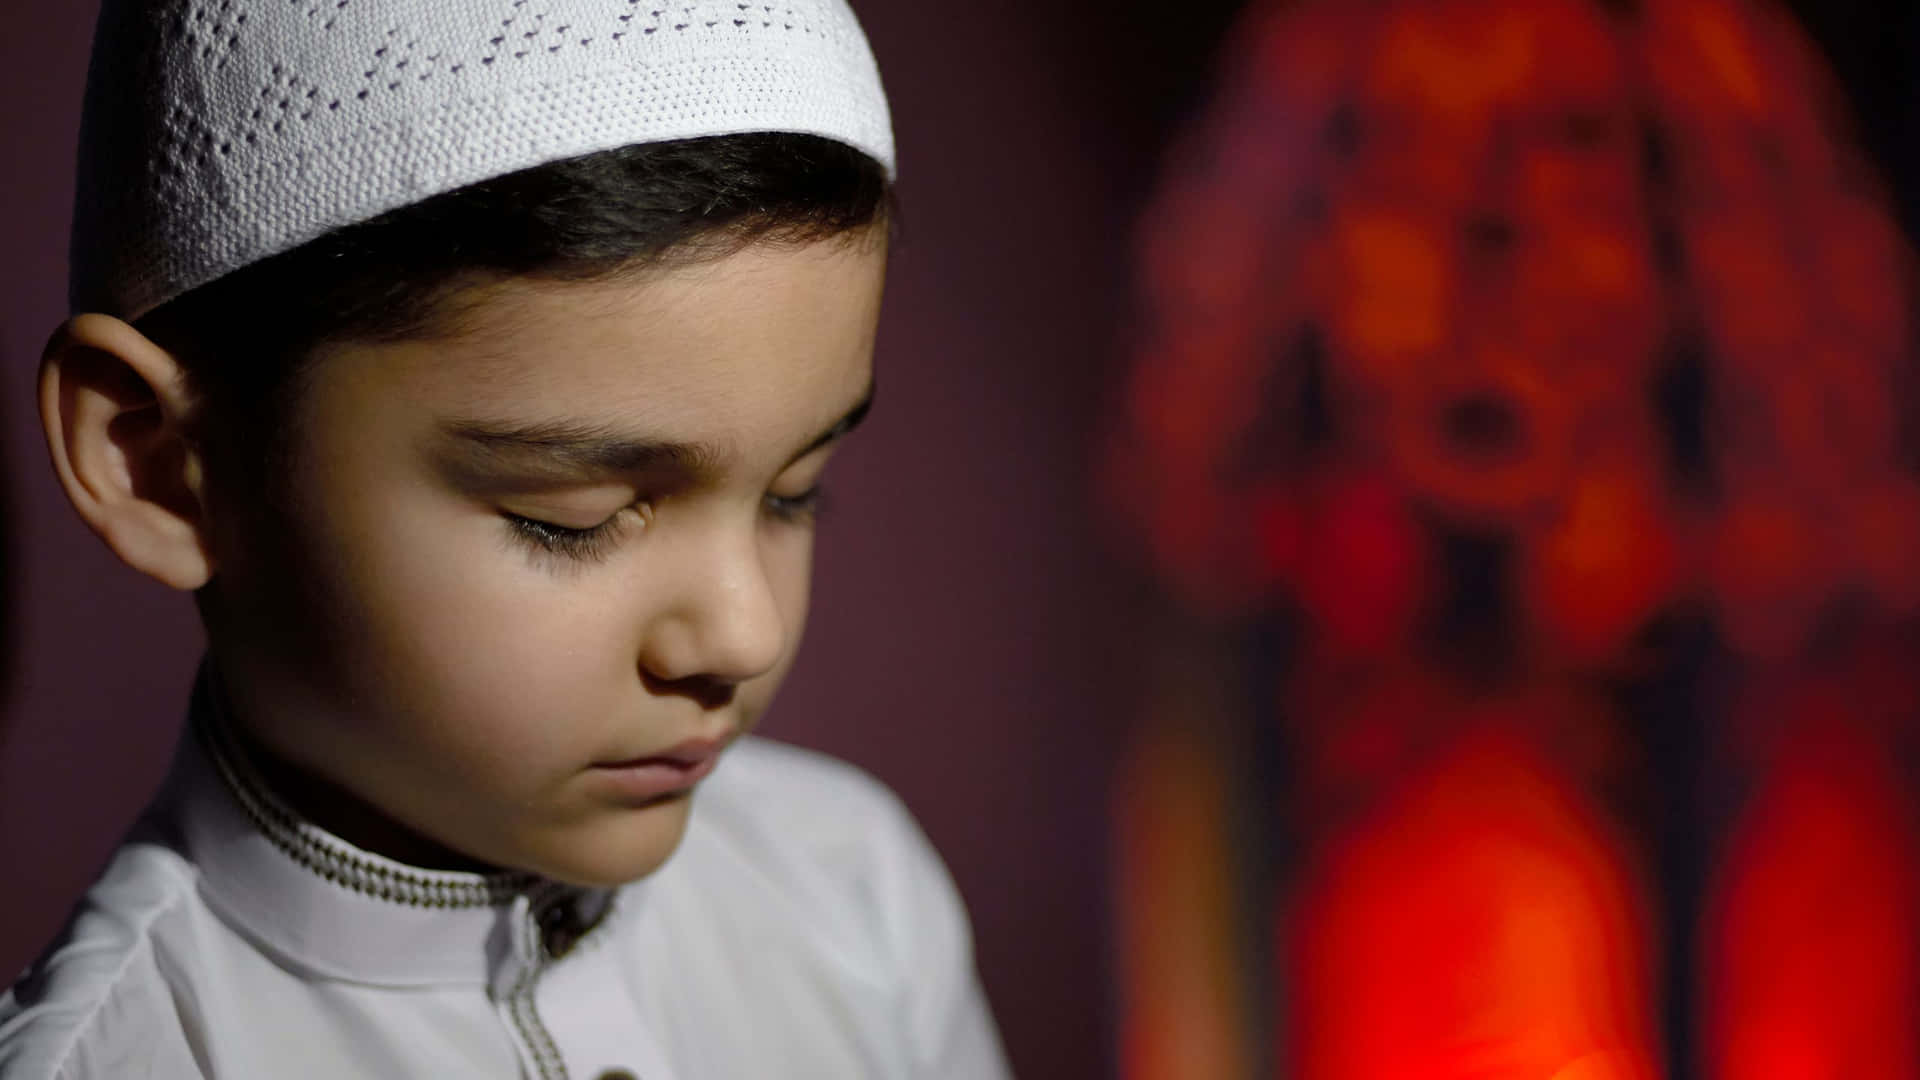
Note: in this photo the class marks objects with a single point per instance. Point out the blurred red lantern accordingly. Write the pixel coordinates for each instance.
(1604, 288)
(1878, 524)
(1481, 922)
(1599, 571)
(1766, 567)
(1519, 256)
(1363, 567)
(1812, 938)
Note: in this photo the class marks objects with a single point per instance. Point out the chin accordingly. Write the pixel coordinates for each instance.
(630, 846)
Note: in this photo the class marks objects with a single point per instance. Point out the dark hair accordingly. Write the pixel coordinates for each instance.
(244, 340)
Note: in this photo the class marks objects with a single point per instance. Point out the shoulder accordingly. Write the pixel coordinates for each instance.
(826, 829)
(794, 805)
(803, 789)
(834, 846)
(97, 1003)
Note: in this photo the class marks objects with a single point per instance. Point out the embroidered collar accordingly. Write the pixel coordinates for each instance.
(334, 909)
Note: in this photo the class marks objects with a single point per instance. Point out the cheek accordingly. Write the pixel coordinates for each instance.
(789, 562)
(790, 575)
(440, 624)
(447, 624)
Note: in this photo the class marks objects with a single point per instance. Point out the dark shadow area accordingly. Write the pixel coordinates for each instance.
(1871, 45)
(9, 558)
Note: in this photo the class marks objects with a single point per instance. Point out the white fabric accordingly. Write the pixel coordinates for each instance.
(220, 132)
(805, 929)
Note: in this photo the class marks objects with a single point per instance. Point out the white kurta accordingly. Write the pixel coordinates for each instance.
(805, 929)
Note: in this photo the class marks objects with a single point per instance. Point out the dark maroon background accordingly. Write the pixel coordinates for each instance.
(966, 637)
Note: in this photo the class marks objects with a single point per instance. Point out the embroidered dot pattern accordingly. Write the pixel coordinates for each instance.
(220, 132)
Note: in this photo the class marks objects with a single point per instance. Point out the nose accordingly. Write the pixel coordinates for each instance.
(719, 620)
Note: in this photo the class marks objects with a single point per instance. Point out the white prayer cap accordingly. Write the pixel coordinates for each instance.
(221, 132)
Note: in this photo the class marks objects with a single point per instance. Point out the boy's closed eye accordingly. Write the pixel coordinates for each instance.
(580, 543)
(550, 481)
(563, 535)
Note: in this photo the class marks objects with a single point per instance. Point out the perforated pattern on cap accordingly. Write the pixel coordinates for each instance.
(220, 132)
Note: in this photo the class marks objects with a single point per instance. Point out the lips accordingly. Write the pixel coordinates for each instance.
(644, 781)
(688, 755)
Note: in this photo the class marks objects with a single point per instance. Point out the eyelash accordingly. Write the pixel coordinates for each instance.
(593, 544)
(574, 545)
(798, 509)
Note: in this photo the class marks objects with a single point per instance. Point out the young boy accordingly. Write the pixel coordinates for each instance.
(475, 364)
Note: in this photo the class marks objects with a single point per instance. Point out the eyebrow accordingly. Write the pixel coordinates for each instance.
(595, 449)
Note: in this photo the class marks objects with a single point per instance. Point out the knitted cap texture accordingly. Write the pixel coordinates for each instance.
(218, 133)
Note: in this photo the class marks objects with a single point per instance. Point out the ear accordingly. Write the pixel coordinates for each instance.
(115, 407)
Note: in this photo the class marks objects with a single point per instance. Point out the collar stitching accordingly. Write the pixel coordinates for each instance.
(314, 850)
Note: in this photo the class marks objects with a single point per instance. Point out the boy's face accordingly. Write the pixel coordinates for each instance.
(573, 537)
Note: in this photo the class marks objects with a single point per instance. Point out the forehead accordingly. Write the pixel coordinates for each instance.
(765, 339)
